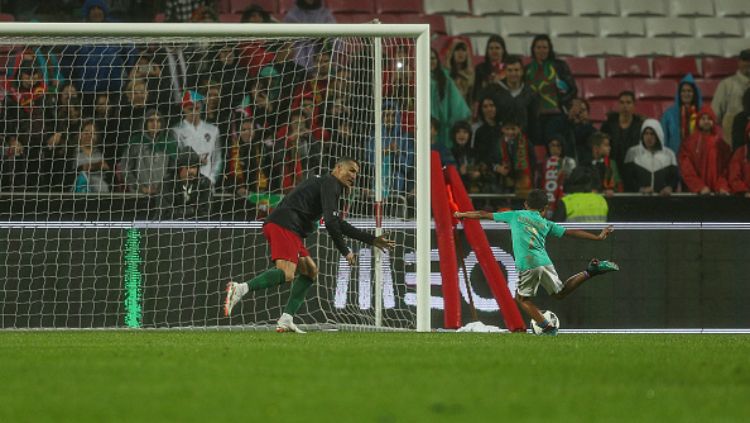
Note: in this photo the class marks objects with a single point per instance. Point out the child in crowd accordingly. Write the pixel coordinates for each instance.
(435, 145)
(475, 174)
(604, 167)
(555, 170)
(704, 157)
(512, 160)
(93, 171)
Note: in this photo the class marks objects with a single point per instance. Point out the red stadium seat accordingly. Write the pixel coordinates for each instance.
(675, 67)
(398, 6)
(579, 83)
(389, 17)
(7, 17)
(605, 88)
(351, 6)
(400, 18)
(598, 109)
(437, 24)
(707, 87)
(447, 7)
(649, 108)
(583, 67)
(238, 6)
(354, 17)
(441, 43)
(447, 42)
(718, 67)
(626, 67)
(655, 89)
(230, 17)
(285, 6)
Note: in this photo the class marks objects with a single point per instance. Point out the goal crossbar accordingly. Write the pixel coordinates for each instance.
(203, 30)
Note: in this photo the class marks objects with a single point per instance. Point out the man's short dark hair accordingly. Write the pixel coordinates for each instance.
(346, 159)
(627, 93)
(537, 199)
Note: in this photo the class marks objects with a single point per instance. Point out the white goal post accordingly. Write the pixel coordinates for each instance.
(25, 231)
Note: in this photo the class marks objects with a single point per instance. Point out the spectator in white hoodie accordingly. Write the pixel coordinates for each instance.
(650, 168)
(200, 136)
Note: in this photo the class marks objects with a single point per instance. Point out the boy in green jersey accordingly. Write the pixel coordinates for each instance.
(529, 231)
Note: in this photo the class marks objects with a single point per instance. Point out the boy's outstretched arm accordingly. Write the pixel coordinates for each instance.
(576, 233)
(481, 214)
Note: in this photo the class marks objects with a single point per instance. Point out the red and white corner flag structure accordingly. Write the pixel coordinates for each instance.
(476, 238)
(441, 212)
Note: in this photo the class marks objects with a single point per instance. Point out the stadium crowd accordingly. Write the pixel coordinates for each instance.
(182, 121)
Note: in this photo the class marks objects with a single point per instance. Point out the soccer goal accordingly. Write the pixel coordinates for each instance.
(140, 159)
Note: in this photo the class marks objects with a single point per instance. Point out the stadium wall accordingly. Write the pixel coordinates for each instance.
(668, 279)
(74, 278)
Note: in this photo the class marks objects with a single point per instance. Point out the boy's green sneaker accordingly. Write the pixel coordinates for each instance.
(598, 267)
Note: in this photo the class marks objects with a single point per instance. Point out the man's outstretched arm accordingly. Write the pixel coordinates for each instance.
(338, 227)
(481, 214)
(576, 233)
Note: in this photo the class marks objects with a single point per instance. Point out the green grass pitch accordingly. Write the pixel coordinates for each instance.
(144, 376)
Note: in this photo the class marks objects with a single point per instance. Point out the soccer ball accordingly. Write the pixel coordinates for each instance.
(552, 317)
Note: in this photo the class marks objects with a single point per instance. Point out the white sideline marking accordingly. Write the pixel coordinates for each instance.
(658, 331)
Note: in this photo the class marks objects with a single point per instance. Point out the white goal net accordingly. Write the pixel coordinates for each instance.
(138, 165)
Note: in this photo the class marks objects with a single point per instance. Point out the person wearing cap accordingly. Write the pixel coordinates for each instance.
(727, 101)
(199, 136)
(187, 193)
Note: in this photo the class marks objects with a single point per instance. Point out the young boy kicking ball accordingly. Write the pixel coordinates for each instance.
(529, 231)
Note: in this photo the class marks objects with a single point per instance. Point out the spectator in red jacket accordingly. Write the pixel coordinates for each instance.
(704, 156)
(739, 167)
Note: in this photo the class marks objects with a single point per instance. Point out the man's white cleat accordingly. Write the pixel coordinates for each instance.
(234, 293)
(285, 324)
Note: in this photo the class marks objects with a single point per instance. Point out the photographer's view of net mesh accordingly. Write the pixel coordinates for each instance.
(138, 172)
